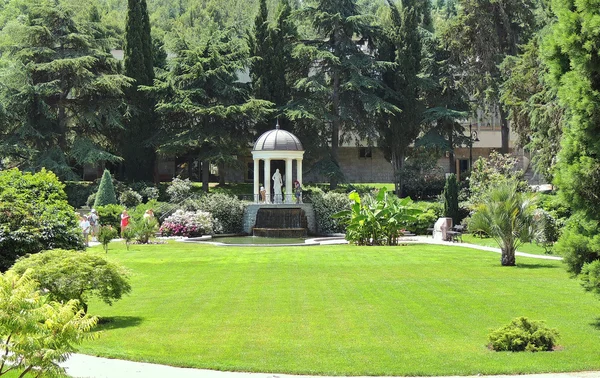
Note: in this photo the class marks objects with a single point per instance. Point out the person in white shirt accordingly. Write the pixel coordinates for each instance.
(85, 229)
(94, 224)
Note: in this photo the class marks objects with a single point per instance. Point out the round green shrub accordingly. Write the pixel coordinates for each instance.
(228, 211)
(130, 198)
(325, 205)
(523, 334)
(110, 215)
(106, 191)
(34, 216)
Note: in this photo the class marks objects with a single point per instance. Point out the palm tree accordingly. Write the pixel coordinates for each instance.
(509, 217)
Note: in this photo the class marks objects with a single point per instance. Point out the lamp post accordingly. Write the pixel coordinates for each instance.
(472, 138)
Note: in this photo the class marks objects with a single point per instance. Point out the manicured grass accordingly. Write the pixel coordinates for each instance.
(342, 310)
(532, 248)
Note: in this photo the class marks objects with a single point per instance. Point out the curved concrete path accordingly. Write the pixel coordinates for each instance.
(84, 366)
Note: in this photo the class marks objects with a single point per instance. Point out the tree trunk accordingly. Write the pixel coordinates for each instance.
(205, 173)
(397, 164)
(508, 257)
(504, 131)
(222, 174)
(451, 161)
(335, 127)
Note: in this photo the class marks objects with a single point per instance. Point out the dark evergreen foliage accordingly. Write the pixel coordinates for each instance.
(451, 209)
(571, 55)
(341, 93)
(60, 92)
(205, 112)
(401, 45)
(136, 142)
(480, 36)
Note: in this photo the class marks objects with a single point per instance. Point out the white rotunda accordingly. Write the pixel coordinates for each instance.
(273, 145)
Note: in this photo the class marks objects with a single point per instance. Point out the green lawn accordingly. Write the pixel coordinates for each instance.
(342, 310)
(489, 242)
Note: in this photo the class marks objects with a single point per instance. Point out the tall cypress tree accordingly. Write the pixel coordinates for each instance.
(138, 153)
(273, 69)
(402, 46)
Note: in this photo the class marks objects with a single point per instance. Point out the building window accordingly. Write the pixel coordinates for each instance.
(365, 152)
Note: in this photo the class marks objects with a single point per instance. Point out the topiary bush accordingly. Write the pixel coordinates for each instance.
(107, 233)
(325, 205)
(34, 216)
(106, 191)
(523, 334)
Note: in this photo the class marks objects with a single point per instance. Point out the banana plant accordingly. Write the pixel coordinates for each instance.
(378, 220)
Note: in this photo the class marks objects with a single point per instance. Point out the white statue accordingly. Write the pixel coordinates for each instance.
(277, 184)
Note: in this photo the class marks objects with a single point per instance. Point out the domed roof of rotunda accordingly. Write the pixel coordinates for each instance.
(277, 140)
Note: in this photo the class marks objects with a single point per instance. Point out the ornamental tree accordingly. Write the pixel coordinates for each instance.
(36, 333)
(68, 275)
(508, 216)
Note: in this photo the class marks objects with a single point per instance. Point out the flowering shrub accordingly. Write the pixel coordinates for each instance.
(179, 190)
(188, 223)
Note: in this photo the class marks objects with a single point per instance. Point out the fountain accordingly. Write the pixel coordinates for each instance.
(278, 210)
(280, 223)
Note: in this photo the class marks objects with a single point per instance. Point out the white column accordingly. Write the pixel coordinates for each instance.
(288, 181)
(299, 171)
(268, 179)
(256, 178)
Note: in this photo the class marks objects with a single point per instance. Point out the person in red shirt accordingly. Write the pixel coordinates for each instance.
(124, 221)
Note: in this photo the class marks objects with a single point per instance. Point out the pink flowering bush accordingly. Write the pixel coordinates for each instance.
(188, 223)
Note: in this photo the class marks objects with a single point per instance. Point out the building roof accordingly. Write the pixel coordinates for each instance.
(277, 140)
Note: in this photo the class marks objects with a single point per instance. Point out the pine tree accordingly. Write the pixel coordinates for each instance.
(571, 54)
(61, 92)
(106, 191)
(480, 36)
(340, 94)
(136, 146)
(205, 112)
